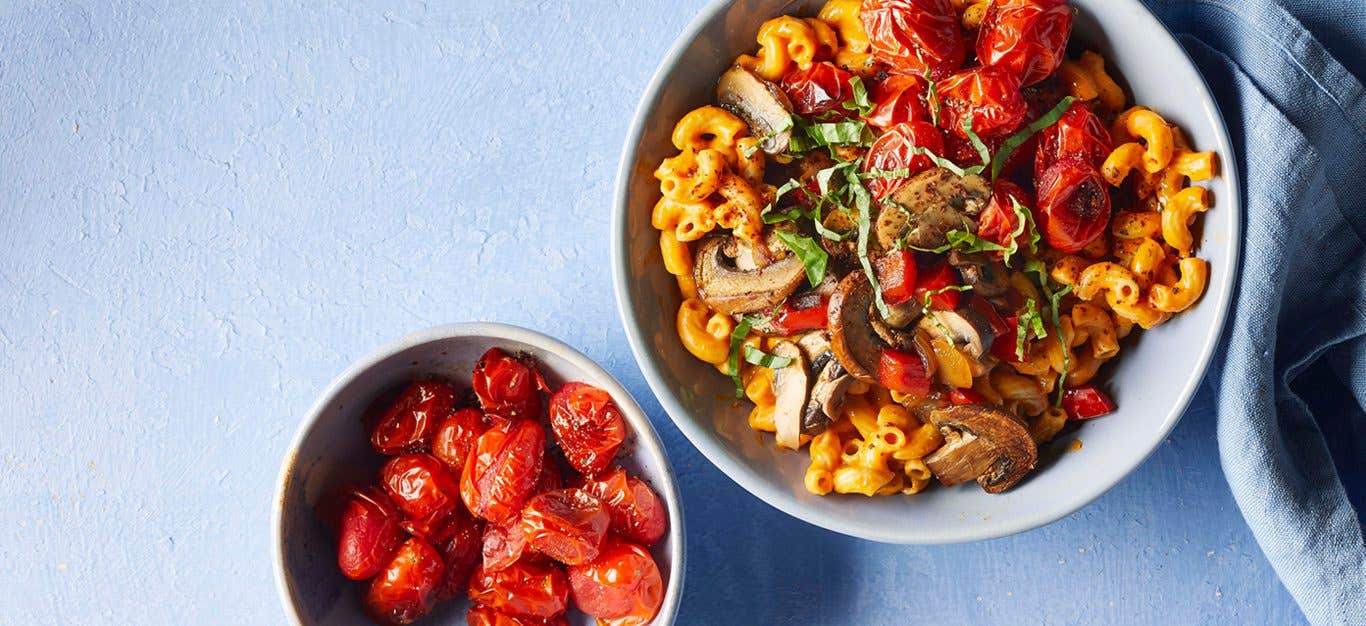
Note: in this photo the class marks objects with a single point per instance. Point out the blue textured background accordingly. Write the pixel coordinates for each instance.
(207, 212)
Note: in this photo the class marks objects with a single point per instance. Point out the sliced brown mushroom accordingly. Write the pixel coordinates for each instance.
(761, 104)
(852, 337)
(983, 444)
(814, 344)
(929, 205)
(729, 289)
(827, 394)
(790, 390)
(986, 276)
(903, 314)
(964, 329)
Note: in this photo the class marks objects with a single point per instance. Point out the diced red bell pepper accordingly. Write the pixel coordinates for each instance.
(966, 396)
(1086, 402)
(904, 372)
(934, 278)
(791, 320)
(1004, 346)
(988, 312)
(896, 273)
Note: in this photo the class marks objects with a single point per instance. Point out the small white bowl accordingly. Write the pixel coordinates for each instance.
(330, 448)
(1153, 379)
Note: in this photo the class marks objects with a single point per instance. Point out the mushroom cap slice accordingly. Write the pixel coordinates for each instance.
(986, 277)
(761, 104)
(827, 394)
(728, 289)
(983, 444)
(965, 329)
(853, 339)
(929, 205)
(790, 390)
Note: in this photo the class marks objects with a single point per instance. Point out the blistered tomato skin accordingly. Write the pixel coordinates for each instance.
(508, 387)
(898, 99)
(624, 582)
(916, 37)
(1078, 133)
(998, 222)
(990, 98)
(1074, 204)
(485, 616)
(588, 426)
(820, 88)
(895, 150)
(368, 533)
(503, 544)
(529, 588)
(503, 470)
(1025, 38)
(460, 544)
(406, 589)
(567, 525)
(408, 424)
(456, 438)
(423, 489)
(636, 511)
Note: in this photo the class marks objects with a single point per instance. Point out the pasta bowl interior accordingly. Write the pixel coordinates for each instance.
(1151, 383)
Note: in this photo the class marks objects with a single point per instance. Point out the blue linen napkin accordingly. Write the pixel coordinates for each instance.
(1291, 378)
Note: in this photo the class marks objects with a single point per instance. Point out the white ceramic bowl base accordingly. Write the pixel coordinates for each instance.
(331, 449)
(1152, 381)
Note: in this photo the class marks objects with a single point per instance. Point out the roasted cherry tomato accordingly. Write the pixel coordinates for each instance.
(1074, 204)
(1086, 402)
(406, 589)
(531, 587)
(409, 422)
(966, 396)
(368, 531)
(623, 582)
(551, 478)
(934, 279)
(899, 99)
(423, 489)
(896, 273)
(636, 511)
(587, 425)
(567, 525)
(998, 222)
(904, 372)
(485, 616)
(798, 315)
(819, 88)
(508, 387)
(503, 544)
(1025, 38)
(1078, 133)
(988, 97)
(456, 438)
(503, 469)
(460, 544)
(894, 151)
(915, 36)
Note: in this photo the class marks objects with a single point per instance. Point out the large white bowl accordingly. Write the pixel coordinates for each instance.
(1153, 380)
(331, 449)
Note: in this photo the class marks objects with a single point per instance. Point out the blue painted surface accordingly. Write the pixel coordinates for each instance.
(207, 212)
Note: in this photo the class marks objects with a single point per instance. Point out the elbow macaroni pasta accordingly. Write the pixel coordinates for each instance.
(1139, 272)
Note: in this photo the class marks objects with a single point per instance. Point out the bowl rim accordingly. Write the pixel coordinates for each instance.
(646, 438)
(705, 439)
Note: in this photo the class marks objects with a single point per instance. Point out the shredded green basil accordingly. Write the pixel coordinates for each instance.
(932, 98)
(977, 144)
(859, 102)
(1026, 219)
(737, 339)
(1037, 267)
(755, 356)
(1029, 322)
(1019, 138)
(813, 257)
